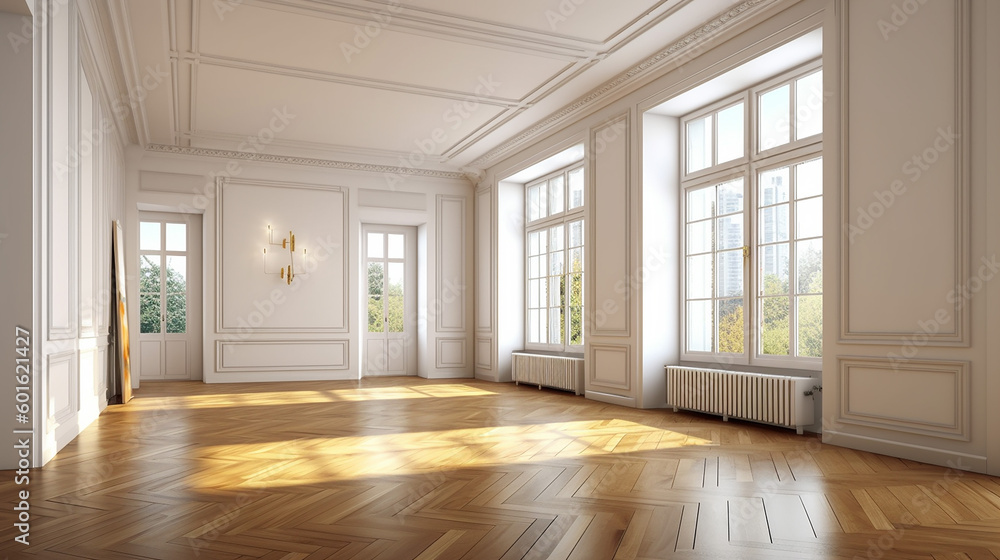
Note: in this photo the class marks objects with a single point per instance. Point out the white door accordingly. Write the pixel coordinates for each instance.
(390, 300)
(170, 342)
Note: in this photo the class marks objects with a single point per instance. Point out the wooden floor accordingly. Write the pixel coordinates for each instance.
(404, 468)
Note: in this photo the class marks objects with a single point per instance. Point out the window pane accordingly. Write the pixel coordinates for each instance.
(773, 269)
(556, 195)
(555, 291)
(700, 326)
(149, 313)
(701, 203)
(556, 237)
(576, 290)
(731, 326)
(576, 326)
(397, 249)
(177, 313)
(809, 217)
(699, 144)
(149, 236)
(149, 274)
(176, 274)
(575, 260)
(731, 138)
(773, 187)
(533, 326)
(537, 202)
(699, 276)
(576, 233)
(730, 231)
(543, 292)
(394, 295)
(809, 178)
(810, 326)
(576, 188)
(774, 334)
(731, 197)
(556, 263)
(809, 266)
(809, 105)
(533, 243)
(177, 237)
(556, 326)
(774, 125)
(730, 274)
(536, 266)
(375, 245)
(773, 224)
(700, 237)
(375, 279)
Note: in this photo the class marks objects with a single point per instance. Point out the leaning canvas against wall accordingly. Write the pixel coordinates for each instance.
(124, 377)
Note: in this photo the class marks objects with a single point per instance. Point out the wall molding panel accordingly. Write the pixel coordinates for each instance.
(484, 261)
(330, 253)
(869, 206)
(609, 207)
(925, 397)
(609, 367)
(451, 258)
(451, 353)
(484, 354)
(282, 355)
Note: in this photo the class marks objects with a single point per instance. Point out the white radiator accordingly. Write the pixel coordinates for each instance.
(560, 372)
(770, 399)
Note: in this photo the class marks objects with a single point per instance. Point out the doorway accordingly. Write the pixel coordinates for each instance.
(170, 298)
(390, 300)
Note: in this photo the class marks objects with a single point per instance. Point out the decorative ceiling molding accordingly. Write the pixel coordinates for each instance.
(313, 162)
(332, 77)
(707, 32)
(456, 27)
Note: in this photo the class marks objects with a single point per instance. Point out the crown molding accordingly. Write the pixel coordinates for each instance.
(631, 77)
(312, 162)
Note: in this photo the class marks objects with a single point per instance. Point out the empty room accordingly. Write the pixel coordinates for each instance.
(567, 279)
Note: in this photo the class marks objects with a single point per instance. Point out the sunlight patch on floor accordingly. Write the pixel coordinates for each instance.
(310, 461)
(358, 394)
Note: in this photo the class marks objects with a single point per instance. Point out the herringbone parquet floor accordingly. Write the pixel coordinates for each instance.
(407, 468)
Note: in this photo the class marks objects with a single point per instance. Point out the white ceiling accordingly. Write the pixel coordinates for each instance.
(434, 84)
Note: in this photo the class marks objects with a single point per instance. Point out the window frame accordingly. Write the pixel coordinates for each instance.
(749, 168)
(714, 109)
(564, 218)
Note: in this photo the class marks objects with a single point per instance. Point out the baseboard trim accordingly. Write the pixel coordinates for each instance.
(611, 399)
(930, 455)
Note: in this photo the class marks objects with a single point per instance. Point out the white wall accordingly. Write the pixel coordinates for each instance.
(907, 368)
(258, 328)
(16, 231)
(77, 192)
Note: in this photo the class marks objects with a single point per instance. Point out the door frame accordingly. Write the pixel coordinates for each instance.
(410, 317)
(194, 262)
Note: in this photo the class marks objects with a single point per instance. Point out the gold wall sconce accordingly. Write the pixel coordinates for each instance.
(286, 272)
